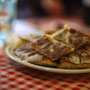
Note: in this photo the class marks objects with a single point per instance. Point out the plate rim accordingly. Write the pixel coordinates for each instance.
(42, 68)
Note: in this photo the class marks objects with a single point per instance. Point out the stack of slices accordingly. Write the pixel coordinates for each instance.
(66, 48)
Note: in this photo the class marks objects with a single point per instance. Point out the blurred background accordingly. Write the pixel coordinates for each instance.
(25, 17)
(55, 8)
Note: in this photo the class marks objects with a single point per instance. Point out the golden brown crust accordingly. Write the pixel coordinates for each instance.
(50, 47)
(66, 65)
(46, 62)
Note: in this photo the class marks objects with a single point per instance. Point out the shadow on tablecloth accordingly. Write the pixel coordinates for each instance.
(77, 78)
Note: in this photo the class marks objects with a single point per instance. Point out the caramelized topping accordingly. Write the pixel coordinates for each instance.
(50, 47)
(71, 37)
(72, 31)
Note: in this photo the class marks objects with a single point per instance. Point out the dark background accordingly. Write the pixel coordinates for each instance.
(35, 8)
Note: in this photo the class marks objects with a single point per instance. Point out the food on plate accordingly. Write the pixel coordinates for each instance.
(33, 37)
(50, 47)
(19, 42)
(24, 51)
(22, 42)
(75, 60)
(64, 49)
(27, 54)
(71, 37)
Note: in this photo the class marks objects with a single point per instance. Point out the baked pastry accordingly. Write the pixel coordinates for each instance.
(50, 47)
(71, 37)
(75, 60)
(27, 54)
(23, 52)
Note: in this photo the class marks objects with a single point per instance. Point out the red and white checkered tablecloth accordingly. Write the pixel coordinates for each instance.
(14, 76)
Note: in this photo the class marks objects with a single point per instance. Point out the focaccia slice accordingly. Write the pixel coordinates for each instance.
(71, 37)
(27, 54)
(50, 47)
(76, 60)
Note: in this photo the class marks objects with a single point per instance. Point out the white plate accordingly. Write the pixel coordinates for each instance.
(10, 53)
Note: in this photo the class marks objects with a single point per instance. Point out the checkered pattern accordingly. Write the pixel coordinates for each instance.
(14, 76)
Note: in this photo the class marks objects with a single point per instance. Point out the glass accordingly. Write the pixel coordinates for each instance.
(7, 15)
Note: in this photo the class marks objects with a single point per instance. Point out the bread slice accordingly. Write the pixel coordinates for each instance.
(50, 47)
(75, 60)
(71, 37)
(27, 54)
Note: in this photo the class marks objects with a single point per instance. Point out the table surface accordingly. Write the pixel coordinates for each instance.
(14, 76)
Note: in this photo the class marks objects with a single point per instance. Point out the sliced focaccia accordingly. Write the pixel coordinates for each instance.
(27, 54)
(75, 60)
(50, 47)
(71, 37)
